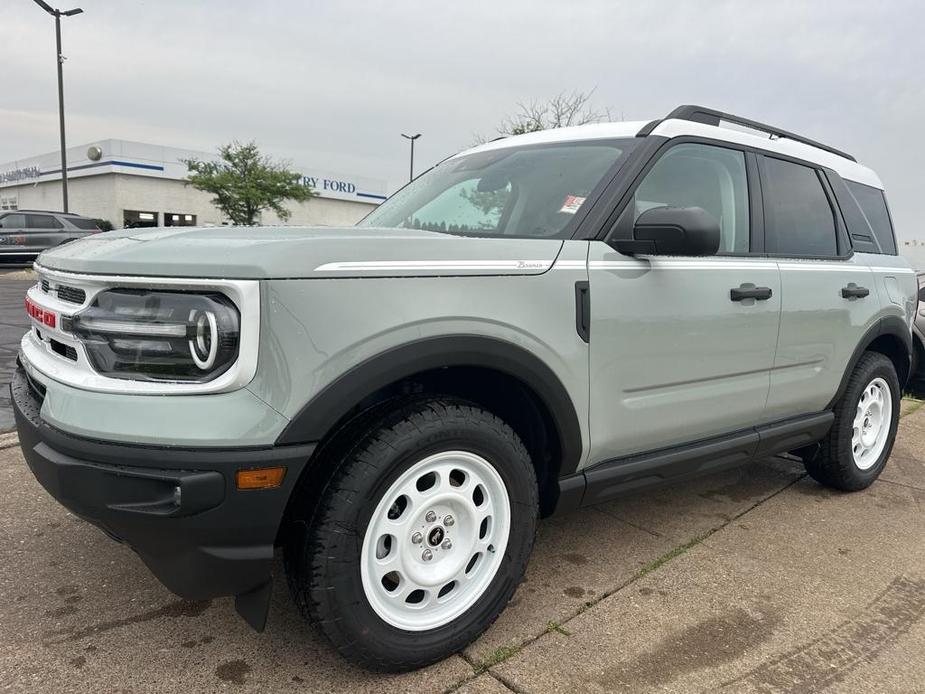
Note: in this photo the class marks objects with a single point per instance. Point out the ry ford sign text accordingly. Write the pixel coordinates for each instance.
(328, 184)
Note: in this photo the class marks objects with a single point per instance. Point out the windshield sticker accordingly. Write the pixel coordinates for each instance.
(571, 204)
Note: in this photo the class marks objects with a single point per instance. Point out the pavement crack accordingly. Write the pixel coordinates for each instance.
(179, 608)
(902, 484)
(504, 682)
(495, 658)
(668, 556)
(628, 522)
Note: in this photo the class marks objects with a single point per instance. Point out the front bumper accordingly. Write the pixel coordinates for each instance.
(178, 508)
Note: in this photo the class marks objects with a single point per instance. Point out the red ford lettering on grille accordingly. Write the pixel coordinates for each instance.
(44, 316)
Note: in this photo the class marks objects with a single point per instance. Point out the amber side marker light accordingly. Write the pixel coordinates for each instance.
(261, 478)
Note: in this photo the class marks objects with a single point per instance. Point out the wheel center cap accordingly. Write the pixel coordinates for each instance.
(435, 536)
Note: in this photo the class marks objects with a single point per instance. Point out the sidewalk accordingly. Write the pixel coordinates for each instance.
(756, 579)
(808, 590)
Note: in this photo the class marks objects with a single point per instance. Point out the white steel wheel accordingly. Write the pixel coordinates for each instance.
(435, 541)
(872, 422)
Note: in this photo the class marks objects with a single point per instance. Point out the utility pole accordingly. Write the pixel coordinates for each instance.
(57, 14)
(412, 138)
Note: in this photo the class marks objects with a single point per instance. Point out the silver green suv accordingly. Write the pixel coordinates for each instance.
(537, 324)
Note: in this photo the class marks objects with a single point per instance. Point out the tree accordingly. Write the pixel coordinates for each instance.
(245, 182)
(491, 202)
(563, 110)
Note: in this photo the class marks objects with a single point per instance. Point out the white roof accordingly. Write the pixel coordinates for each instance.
(674, 127)
(592, 131)
(845, 168)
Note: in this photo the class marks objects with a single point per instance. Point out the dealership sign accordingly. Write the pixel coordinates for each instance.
(345, 187)
(24, 174)
(327, 184)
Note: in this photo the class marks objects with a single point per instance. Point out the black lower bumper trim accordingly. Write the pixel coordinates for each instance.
(179, 509)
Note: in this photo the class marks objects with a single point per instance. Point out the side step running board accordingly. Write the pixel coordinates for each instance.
(613, 478)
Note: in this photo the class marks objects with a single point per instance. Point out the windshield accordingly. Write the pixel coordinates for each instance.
(530, 191)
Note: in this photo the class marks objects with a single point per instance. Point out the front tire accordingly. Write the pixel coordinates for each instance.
(858, 445)
(420, 537)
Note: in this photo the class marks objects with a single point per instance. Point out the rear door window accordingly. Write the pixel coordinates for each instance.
(873, 205)
(799, 220)
(42, 221)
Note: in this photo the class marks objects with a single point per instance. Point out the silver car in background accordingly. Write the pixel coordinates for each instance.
(26, 233)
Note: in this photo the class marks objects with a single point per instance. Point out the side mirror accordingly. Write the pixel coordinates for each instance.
(672, 231)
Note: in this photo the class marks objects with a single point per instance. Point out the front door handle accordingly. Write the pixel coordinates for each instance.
(853, 290)
(750, 291)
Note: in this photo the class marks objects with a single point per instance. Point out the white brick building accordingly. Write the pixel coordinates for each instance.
(138, 184)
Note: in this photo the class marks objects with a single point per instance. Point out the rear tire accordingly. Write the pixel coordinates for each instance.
(420, 536)
(858, 445)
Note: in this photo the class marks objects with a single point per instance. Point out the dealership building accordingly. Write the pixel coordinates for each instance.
(133, 184)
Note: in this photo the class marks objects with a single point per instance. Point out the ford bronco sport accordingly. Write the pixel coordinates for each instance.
(540, 323)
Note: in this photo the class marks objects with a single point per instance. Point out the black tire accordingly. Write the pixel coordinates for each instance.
(834, 464)
(324, 562)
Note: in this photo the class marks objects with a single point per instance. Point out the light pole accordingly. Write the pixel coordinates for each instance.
(57, 14)
(407, 137)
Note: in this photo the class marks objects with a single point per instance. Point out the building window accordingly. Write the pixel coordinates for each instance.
(10, 202)
(134, 219)
(175, 219)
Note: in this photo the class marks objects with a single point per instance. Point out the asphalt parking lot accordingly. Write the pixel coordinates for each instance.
(13, 323)
(753, 580)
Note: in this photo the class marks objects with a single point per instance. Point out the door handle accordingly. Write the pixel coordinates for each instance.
(853, 290)
(748, 291)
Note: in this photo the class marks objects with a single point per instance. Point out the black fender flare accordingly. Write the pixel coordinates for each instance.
(889, 325)
(320, 414)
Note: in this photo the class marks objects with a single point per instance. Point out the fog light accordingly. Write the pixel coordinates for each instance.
(261, 478)
(177, 495)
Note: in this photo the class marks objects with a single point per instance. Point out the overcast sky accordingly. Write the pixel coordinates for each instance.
(331, 85)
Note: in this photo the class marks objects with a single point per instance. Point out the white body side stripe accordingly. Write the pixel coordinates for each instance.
(434, 265)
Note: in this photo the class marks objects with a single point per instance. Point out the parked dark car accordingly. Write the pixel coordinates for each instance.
(26, 233)
(918, 331)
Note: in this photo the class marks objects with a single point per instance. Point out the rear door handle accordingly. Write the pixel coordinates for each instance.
(853, 290)
(748, 291)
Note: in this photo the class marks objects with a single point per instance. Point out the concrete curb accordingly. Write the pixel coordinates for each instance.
(9, 440)
(19, 275)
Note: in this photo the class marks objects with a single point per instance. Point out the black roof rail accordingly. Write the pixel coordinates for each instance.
(709, 116)
(33, 210)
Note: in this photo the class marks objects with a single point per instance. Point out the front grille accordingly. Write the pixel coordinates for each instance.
(63, 350)
(72, 295)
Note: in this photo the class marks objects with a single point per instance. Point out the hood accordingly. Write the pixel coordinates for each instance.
(298, 252)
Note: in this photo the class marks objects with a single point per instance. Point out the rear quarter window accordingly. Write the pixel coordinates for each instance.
(85, 224)
(873, 205)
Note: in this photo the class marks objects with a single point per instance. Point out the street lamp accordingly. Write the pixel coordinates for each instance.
(407, 137)
(57, 14)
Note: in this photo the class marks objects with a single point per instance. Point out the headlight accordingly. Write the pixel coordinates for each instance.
(142, 334)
